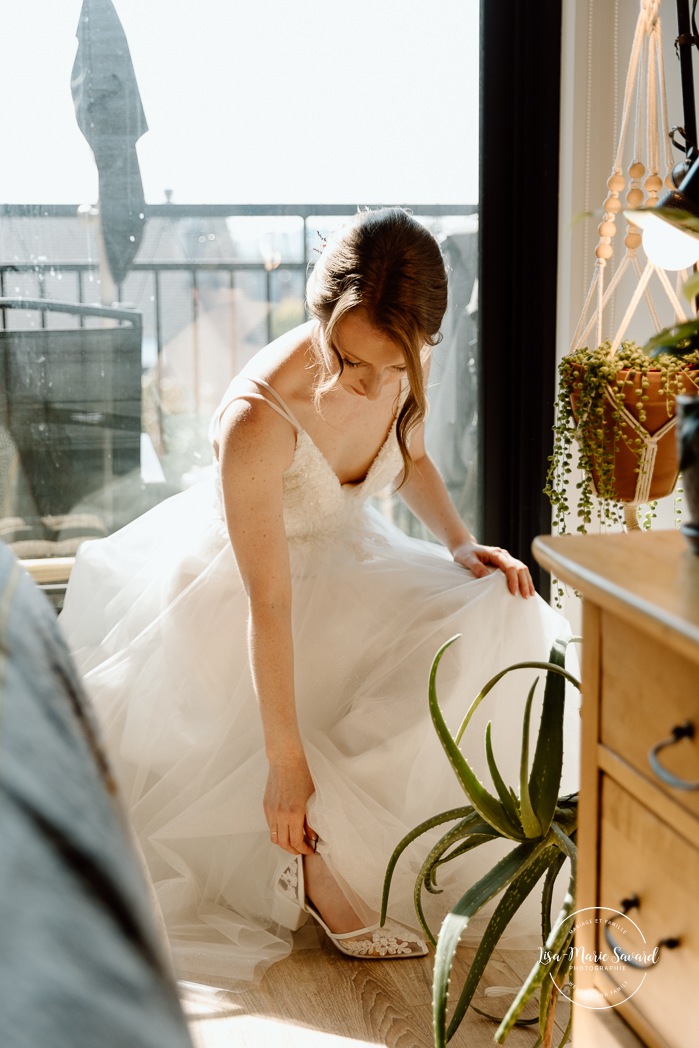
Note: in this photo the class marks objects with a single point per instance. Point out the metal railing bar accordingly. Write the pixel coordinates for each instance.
(235, 210)
(52, 305)
(185, 264)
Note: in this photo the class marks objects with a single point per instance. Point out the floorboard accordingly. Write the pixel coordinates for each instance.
(320, 999)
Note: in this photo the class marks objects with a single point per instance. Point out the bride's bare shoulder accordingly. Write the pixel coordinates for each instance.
(286, 363)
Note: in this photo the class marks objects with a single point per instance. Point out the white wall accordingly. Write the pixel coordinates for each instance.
(596, 47)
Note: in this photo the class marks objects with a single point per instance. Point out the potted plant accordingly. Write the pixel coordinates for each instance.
(542, 829)
(682, 342)
(620, 409)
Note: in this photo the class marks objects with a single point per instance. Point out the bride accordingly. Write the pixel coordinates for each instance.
(258, 648)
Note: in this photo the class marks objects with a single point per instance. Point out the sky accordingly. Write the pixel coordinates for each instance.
(257, 101)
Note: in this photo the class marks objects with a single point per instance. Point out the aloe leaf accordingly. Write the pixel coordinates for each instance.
(423, 881)
(530, 822)
(428, 824)
(546, 990)
(554, 945)
(511, 901)
(457, 920)
(545, 778)
(474, 841)
(566, 844)
(506, 795)
(545, 996)
(550, 988)
(488, 806)
(498, 676)
(466, 827)
(547, 894)
(567, 1032)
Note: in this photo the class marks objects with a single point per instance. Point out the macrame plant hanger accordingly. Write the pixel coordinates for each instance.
(645, 103)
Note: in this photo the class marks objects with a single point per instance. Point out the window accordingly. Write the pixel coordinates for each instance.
(268, 123)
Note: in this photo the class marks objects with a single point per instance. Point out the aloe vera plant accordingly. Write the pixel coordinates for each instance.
(542, 829)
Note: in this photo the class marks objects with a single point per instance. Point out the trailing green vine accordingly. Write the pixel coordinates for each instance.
(600, 382)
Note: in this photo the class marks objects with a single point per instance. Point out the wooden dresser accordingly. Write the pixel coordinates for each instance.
(639, 800)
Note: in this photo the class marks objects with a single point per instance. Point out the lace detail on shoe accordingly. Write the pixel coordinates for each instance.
(381, 944)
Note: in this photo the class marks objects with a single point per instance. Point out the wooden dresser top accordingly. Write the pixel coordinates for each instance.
(648, 578)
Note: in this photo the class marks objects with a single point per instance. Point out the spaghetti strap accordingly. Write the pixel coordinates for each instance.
(280, 407)
(288, 415)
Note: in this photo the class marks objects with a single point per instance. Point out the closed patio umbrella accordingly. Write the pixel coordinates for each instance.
(110, 115)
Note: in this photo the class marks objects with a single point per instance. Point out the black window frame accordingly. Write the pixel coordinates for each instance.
(520, 73)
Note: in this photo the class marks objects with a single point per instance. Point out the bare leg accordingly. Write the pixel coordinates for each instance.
(324, 892)
(341, 920)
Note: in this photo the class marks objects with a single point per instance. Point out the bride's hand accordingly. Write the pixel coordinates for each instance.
(478, 559)
(289, 785)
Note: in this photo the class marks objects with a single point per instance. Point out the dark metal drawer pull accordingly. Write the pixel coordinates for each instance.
(671, 943)
(680, 731)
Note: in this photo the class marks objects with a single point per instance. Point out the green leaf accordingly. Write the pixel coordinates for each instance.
(550, 988)
(547, 894)
(679, 339)
(424, 827)
(455, 923)
(498, 676)
(514, 896)
(510, 801)
(473, 842)
(473, 827)
(567, 1032)
(545, 778)
(530, 822)
(554, 945)
(488, 806)
(690, 289)
(566, 845)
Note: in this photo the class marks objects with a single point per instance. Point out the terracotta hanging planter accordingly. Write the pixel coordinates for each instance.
(629, 471)
(615, 422)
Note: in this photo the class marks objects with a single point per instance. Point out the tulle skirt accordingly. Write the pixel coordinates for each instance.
(156, 616)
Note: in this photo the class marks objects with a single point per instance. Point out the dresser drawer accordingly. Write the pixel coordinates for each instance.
(648, 691)
(642, 857)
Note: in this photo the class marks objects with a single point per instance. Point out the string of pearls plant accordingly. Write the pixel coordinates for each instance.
(589, 376)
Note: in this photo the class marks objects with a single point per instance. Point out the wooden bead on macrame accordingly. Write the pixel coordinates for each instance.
(604, 251)
(613, 205)
(633, 239)
(637, 170)
(653, 184)
(634, 197)
(616, 183)
(607, 229)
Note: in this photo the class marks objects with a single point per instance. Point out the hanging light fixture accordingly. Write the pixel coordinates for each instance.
(671, 229)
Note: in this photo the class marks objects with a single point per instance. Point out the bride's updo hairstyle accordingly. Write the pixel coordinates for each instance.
(390, 265)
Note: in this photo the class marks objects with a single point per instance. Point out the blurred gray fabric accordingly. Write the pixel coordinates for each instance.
(81, 961)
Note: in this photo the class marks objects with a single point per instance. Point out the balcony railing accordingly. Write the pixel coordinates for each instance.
(213, 284)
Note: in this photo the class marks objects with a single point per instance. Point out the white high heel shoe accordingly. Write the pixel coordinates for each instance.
(375, 943)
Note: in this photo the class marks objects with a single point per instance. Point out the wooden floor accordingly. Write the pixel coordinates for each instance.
(319, 999)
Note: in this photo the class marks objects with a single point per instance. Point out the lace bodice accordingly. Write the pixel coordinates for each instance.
(316, 504)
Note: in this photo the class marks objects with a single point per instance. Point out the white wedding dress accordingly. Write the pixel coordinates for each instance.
(156, 616)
